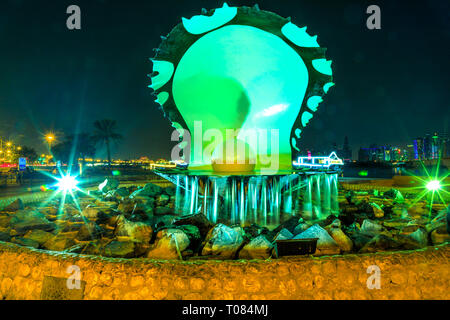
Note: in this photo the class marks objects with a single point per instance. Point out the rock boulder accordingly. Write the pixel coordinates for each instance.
(39, 236)
(14, 206)
(169, 244)
(109, 184)
(120, 249)
(283, 234)
(380, 242)
(325, 243)
(199, 220)
(258, 248)
(343, 241)
(26, 220)
(222, 241)
(137, 231)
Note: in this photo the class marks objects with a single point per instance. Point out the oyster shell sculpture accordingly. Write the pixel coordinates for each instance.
(235, 70)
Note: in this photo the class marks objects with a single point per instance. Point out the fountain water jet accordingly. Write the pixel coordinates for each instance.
(260, 199)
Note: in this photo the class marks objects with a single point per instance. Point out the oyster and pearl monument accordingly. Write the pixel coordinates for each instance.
(239, 85)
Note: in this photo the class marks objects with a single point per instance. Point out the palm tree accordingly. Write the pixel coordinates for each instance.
(74, 147)
(105, 131)
(85, 146)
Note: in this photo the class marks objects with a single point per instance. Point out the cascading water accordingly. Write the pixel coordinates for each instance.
(320, 196)
(260, 199)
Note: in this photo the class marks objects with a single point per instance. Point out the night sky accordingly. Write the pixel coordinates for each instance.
(392, 85)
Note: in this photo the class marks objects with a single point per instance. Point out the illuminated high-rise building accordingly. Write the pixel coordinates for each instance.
(445, 146)
(427, 146)
(432, 146)
(419, 149)
(346, 150)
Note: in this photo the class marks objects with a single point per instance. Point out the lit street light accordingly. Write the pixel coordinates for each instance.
(50, 138)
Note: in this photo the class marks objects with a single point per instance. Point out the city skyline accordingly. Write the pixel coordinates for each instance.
(408, 150)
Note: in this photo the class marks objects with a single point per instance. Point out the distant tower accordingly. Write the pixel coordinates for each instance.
(435, 146)
(419, 149)
(427, 147)
(445, 145)
(346, 151)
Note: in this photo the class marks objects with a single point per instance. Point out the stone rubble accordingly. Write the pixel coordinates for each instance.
(132, 222)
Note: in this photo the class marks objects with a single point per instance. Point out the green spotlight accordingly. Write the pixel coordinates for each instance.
(363, 173)
(67, 183)
(434, 185)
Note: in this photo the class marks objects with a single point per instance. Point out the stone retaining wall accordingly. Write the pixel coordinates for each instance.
(34, 274)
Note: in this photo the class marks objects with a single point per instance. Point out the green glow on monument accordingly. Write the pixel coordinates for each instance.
(165, 71)
(242, 70)
(327, 86)
(201, 24)
(299, 36)
(323, 66)
(240, 77)
(313, 102)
